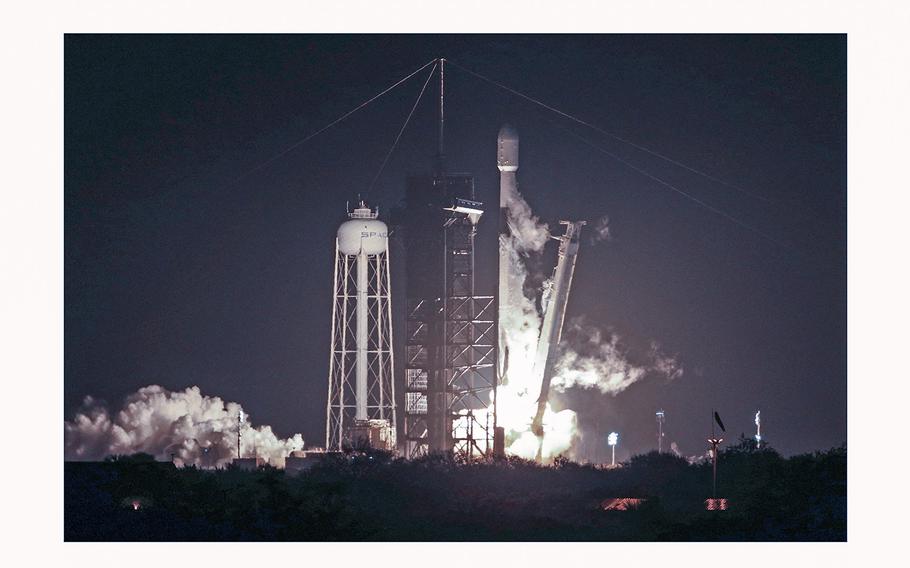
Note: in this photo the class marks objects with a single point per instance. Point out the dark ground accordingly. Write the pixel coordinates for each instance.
(374, 497)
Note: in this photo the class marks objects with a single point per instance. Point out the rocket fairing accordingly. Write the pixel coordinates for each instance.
(507, 151)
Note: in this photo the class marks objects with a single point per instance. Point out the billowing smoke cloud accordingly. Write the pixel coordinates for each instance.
(193, 428)
(592, 360)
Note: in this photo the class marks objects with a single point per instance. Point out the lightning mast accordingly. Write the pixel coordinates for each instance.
(450, 341)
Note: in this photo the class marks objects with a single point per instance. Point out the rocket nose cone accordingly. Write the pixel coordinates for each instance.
(508, 133)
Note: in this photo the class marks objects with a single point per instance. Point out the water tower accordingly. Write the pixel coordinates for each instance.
(361, 402)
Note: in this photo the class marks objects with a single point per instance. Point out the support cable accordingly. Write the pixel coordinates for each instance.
(403, 126)
(334, 122)
(611, 135)
(672, 187)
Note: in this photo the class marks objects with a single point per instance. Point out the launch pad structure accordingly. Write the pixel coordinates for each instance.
(450, 337)
(450, 342)
(452, 364)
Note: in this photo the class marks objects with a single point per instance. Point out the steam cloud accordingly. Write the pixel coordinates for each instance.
(196, 429)
(590, 360)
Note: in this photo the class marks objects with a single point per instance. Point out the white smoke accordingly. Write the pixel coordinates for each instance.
(600, 230)
(666, 365)
(193, 428)
(520, 327)
(591, 360)
(691, 460)
(529, 235)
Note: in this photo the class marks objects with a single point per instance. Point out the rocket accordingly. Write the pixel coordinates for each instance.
(507, 162)
(555, 297)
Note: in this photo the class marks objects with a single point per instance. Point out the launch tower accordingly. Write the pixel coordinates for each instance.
(450, 375)
(451, 347)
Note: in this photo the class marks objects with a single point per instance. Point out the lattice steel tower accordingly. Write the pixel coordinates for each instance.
(361, 402)
(449, 369)
(450, 374)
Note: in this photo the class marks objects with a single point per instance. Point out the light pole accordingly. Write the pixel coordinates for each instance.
(758, 429)
(714, 441)
(660, 431)
(612, 439)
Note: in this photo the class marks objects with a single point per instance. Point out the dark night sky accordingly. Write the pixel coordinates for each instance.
(177, 274)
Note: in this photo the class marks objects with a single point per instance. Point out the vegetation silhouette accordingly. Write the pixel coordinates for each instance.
(364, 494)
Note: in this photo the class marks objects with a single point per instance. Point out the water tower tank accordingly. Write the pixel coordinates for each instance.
(362, 232)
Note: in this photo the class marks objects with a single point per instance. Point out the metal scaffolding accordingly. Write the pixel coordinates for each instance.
(450, 375)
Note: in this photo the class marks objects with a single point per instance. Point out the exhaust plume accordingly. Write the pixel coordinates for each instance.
(194, 428)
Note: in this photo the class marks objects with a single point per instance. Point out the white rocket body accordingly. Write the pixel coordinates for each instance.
(507, 162)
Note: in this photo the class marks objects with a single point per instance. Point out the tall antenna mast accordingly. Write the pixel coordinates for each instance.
(442, 78)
